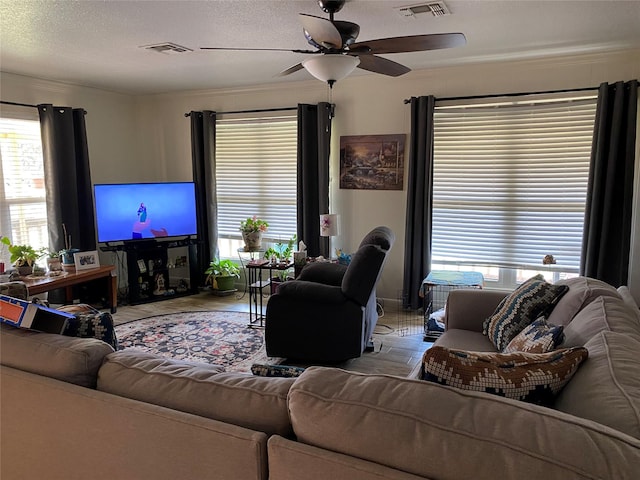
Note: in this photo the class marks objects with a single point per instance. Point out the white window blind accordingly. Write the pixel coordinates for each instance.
(256, 171)
(23, 211)
(510, 180)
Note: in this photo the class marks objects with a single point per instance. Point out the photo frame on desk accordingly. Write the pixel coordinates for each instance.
(86, 260)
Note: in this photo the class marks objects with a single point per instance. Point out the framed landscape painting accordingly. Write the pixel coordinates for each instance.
(372, 162)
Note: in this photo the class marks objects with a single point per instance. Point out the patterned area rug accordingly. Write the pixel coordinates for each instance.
(220, 338)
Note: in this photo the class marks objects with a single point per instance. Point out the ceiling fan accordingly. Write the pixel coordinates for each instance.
(337, 53)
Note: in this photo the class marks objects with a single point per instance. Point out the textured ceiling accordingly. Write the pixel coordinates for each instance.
(96, 43)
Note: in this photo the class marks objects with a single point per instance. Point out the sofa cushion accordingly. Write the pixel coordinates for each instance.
(539, 337)
(465, 340)
(582, 291)
(606, 388)
(532, 377)
(436, 431)
(603, 314)
(629, 300)
(257, 403)
(73, 360)
(532, 299)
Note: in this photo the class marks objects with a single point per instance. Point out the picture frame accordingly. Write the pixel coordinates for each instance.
(372, 162)
(86, 260)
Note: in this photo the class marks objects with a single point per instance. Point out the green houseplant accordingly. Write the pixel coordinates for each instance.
(4, 245)
(252, 229)
(282, 253)
(23, 257)
(222, 274)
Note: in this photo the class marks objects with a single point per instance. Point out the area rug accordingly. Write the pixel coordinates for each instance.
(214, 337)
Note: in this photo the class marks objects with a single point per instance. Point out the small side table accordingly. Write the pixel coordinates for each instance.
(252, 258)
(256, 287)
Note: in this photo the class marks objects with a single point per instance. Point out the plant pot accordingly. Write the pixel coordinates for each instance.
(25, 270)
(67, 256)
(252, 241)
(226, 283)
(54, 264)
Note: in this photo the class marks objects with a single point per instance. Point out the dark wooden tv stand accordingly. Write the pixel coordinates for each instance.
(154, 275)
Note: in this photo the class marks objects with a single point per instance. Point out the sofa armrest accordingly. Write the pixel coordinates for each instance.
(467, 309)
(311, 292)
(323, 272)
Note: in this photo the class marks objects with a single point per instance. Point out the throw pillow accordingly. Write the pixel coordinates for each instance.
(90, 323)
(533, 299)
(532, 377)
(276, 370)
(539, 337)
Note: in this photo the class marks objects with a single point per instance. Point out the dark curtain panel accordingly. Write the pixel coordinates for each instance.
(203, 156)
(314, 140)
(607, 226)
(417, 243)
(67, 177)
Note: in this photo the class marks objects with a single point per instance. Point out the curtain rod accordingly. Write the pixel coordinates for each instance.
(496, 95)
(36, 106)
(18, 104)
(282, 109)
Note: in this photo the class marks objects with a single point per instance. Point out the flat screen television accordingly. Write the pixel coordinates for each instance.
(137, 211)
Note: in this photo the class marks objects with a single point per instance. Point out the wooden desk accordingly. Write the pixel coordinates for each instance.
(67, 280)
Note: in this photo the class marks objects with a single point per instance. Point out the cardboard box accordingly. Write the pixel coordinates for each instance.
(24, 314)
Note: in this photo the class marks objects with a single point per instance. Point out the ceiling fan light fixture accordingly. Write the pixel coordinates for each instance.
(331, 67)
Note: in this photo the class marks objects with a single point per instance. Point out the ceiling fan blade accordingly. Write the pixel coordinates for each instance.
(259, 49)
(381, 65)
(321, 31)
(290, 70)
(413, 43)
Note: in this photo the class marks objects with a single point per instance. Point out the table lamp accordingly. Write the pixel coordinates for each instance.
(329, 227)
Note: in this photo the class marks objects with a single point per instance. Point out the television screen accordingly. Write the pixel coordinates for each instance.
(135, 211)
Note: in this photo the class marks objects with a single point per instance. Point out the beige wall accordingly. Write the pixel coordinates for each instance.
(147, 138)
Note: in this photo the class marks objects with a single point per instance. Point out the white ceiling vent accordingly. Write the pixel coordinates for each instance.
(437, 9)
(167, 47)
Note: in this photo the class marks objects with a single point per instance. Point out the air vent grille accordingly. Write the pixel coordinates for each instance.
(167, 47)
(437, 9)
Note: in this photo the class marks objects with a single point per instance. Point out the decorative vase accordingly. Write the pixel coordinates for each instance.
(252, 240)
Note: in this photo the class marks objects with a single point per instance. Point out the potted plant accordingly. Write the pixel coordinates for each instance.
(222, 275)
(54, 263)
(4, 244)
(252, 230)
(280, 254)
(24, 257)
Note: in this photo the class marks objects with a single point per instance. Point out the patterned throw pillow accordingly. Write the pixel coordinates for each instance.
(533, 299)
(90, 323)
(276, 370)
(539, 337)
(532, 377)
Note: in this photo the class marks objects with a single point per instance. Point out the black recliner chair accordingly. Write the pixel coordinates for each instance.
(329, 312)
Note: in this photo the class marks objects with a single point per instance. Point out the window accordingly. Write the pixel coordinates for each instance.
(256, 172)
(23, 209)
(510, 181)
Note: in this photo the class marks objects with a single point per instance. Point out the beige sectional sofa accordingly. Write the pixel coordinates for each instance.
(73, 408)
